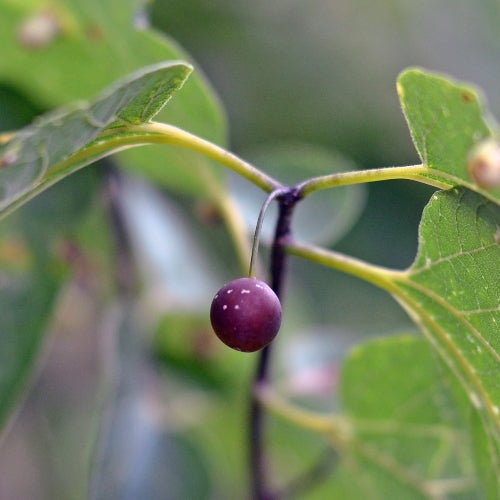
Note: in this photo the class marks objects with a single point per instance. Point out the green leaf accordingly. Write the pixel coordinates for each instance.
(453, 292)
(27, 159)
(94, 43)
(407, 433)
(446, 120)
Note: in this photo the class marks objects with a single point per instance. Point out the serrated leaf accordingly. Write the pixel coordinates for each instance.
(27, 158)
(408, 437)
(453, 292)
(446, 120)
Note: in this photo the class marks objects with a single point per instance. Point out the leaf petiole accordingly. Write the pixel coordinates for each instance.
(162, 133)
(379, 276)
(418, 173)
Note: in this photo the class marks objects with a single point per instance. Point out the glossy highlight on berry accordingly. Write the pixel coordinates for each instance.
(246, 314)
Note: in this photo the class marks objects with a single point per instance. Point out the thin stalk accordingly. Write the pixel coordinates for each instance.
(258, 464)
(279, 260)
(329, 425)
(418, 173)
(162, 133)
(233, 218)
(258, 228)
(379, 276)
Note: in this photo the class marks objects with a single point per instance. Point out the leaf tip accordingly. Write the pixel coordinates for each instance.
(407, 72)
(403, 79)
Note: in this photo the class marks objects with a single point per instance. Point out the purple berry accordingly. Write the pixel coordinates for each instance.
(246, 314)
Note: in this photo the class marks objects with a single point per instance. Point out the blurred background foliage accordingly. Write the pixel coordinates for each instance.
(317, 76)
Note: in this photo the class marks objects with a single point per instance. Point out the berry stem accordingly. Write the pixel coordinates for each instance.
(258, 228)
(260, 483)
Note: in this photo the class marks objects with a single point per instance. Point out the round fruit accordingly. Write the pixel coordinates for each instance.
(246, 314)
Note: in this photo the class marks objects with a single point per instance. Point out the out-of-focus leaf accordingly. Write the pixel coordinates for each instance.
(29, 160)
(16, 111)
(407, 435)
(87, 45)
(188, 348)
(446, 119)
